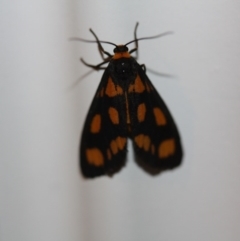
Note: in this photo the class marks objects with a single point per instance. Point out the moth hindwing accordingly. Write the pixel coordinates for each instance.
(126, 105)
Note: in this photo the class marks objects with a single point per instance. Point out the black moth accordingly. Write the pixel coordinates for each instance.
(126, 105)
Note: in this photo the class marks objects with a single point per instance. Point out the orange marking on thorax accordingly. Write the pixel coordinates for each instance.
(112, 89)
(137, 86)
(121, 55)
(166, 148)
(94, 157)
(96, 124)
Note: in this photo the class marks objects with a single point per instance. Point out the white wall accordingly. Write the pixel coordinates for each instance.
(43, 196)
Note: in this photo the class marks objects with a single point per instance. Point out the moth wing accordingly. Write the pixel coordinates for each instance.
(104, 137)
(155, 135)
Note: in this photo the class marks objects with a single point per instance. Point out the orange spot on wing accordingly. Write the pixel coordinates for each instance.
(112, 89)
(96, 124)
(109, 155)
(114, 147)
(141, 112)
(118, 144)
(137, 86)
(101, 93)
(146, 143)
(121, 142)
(143, 141)
(94, 157)
(139, 140)
(166, 148)
(159, 117)
(148, 88)
(114, 116)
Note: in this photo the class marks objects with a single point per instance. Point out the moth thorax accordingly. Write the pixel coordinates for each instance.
(124, 69)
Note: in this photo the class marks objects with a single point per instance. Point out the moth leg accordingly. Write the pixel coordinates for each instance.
(95, 67)
(100, 48)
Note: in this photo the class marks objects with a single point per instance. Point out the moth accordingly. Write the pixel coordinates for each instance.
(126, 105)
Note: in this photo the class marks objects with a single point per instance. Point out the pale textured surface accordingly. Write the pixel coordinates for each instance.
(43, 196)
